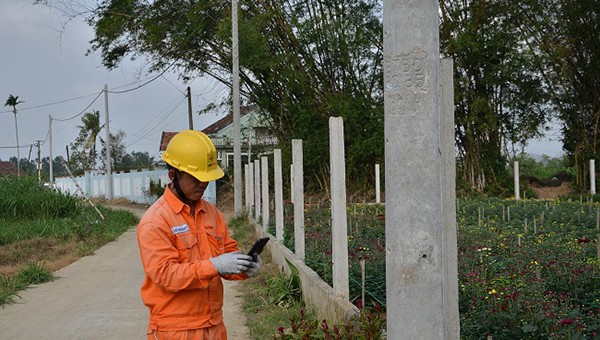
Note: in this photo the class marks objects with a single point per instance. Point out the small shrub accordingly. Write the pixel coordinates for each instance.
(155, 190)
(34, 274)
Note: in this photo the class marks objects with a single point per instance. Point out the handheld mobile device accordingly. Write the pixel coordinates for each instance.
(258, 247)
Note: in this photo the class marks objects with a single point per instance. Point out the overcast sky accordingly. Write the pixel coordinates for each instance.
(44, 67)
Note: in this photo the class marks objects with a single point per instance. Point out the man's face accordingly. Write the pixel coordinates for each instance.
(191, 187)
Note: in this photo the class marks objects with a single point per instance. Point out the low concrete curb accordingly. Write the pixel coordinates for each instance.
(316, 293)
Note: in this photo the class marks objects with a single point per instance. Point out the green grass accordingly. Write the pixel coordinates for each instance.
(274, 309)
(38, 226)
(32, 274)
(271, 299)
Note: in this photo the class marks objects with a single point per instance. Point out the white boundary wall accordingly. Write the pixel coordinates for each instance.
(129, 185)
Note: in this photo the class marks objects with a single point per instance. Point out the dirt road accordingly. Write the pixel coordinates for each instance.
(97, 297)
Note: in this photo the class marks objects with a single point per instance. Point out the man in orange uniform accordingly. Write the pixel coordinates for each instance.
(185, 247)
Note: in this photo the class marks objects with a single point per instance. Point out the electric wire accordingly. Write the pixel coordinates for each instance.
(52, 103)
(151, 124)
(82, 111)
(157, 124)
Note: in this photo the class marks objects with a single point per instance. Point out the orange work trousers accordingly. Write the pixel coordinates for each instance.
(216, 332)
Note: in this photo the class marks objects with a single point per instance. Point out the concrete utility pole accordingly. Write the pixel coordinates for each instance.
(109, 178)
(189, 98)
(50, 146)
(417, 250)
(39, 161)
(237, 139)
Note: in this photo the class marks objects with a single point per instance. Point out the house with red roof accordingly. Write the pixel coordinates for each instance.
(255, 136)
(8, 168)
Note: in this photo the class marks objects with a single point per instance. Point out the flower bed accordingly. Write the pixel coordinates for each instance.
(526, 269)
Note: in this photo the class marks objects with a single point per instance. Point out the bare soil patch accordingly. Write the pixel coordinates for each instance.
(552, 192)
(52, 253)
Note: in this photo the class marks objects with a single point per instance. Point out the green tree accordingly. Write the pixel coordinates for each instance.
(90, 130)
(117, 151)
(563, 35)
(137, 160)
(301, 62)
(83, 149)
(500, 97)
(14, 101)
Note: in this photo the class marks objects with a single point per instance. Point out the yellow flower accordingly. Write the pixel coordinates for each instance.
(493, 291)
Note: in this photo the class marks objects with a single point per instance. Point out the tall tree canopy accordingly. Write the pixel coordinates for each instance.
(516, 63)
(500, 99)
(564, 36)
(301, 62)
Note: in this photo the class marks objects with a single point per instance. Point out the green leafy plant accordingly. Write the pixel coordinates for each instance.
(155, 189)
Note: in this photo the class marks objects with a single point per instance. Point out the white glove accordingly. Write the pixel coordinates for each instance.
(254, 267)
(231, 263)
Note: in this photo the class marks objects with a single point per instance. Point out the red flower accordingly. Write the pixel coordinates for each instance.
(566, 321)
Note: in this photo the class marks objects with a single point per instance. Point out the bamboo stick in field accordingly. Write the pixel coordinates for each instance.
(79, 187)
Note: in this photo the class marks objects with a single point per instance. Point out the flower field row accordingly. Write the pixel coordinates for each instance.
(527, 269)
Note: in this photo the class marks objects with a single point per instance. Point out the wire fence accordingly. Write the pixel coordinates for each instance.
(366, 241)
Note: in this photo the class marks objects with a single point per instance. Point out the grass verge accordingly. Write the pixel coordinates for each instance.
(32, 246)
(270, 300)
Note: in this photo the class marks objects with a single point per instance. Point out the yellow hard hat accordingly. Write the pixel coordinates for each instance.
(193, 152)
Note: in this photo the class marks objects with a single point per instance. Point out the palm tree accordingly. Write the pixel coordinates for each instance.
(91, 129)
(14, 101)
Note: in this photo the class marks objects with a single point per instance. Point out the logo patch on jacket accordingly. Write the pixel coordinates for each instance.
(180, 229)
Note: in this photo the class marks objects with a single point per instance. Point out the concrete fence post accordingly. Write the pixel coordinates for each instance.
(339, 225)
(298, 162)
(516, 174)
(377, 184)
(250, 188)
(278, 181)
(450, 244)
(592, 176)
(246, 188)
(416, 249)
(292, 183)
(264, 162)
(257, 208)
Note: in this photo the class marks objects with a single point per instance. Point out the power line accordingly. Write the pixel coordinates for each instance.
(82, 111)
(50, 104)
(144, 84)
(157, 124)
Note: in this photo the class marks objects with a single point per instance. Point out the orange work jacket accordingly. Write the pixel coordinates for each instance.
(182, 288)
